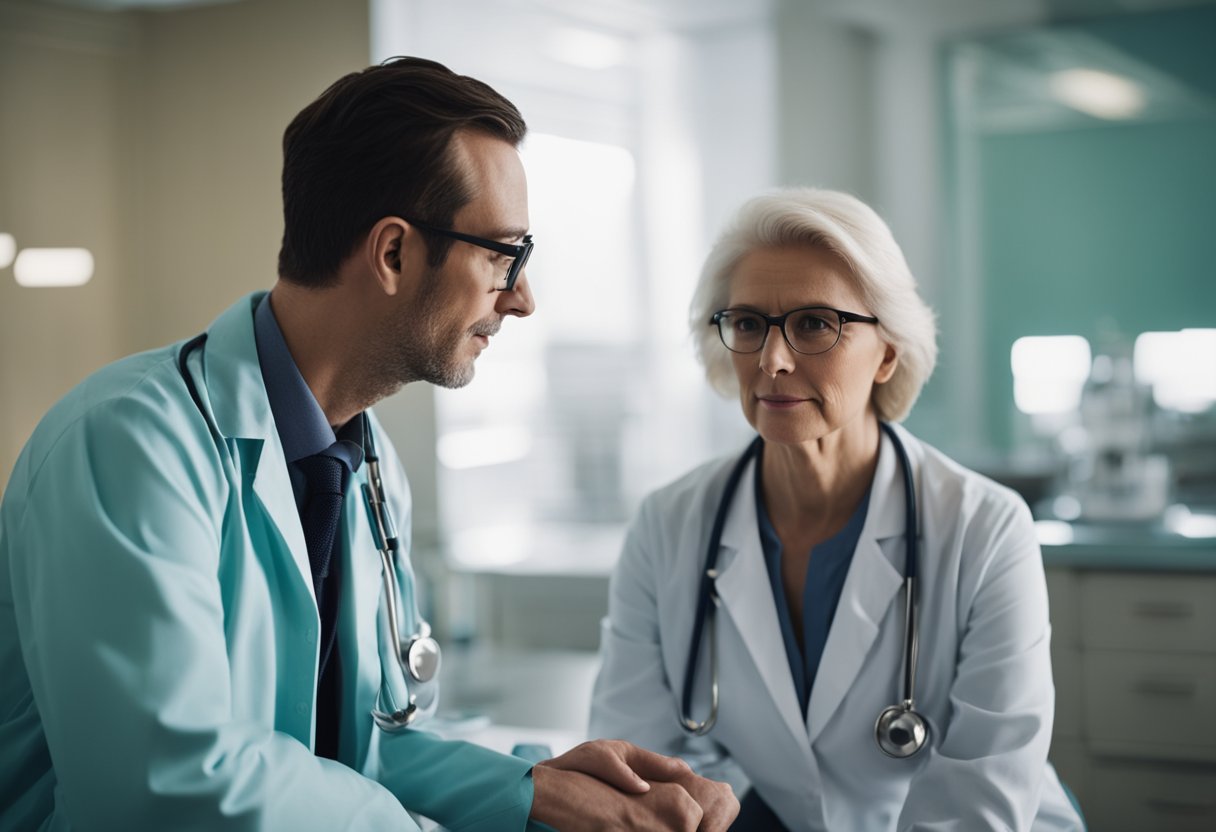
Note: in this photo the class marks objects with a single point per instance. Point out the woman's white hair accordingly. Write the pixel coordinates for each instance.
(842, 224)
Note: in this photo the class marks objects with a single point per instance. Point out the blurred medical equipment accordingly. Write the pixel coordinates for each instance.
(1115, 477)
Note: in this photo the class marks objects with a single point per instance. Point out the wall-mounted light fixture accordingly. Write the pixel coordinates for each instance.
(8, 250)
(45, 267)
(1099, 94)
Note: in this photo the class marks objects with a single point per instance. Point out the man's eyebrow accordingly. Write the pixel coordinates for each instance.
(508, 234)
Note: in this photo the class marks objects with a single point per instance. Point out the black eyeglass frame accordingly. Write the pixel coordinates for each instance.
(779, 322)
(520, 252)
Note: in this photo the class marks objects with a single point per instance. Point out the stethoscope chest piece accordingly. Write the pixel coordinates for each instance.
(422, 656)
(901, 731)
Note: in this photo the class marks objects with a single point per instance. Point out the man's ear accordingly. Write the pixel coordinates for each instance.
(890, 360)
(386, 252)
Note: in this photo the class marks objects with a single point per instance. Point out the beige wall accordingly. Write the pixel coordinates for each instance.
(152, 139)
(216, 88)
(63, 129)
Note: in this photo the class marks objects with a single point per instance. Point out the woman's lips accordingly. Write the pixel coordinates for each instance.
(780, 402)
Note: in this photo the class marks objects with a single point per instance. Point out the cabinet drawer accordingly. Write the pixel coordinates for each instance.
(1136, 798)
(1064, 597)
(1149, 612)
(1066, 671)
(1156, 699)
(1072, 764)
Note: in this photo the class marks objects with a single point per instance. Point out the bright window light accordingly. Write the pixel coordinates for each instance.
(479, 447)
(1048, 372)
(588, 254)
(8, 250)
(45, 267)
(1180, 366)
(1099, 94)
(585, 48)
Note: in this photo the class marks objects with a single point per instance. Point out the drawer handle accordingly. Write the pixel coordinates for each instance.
(1164, 687)
(1164, 609)
(1179, 807)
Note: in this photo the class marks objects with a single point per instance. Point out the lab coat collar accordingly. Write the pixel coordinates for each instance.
(747, 597)
(241, 410)
(358, 634)
(872, 583)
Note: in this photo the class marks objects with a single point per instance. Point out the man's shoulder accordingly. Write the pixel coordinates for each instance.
(146, 384)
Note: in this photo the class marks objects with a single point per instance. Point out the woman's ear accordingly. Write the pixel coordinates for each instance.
(890, 360)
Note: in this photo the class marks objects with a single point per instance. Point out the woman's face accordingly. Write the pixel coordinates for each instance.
(793, 398)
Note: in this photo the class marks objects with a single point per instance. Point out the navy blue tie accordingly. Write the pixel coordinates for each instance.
(326, 477)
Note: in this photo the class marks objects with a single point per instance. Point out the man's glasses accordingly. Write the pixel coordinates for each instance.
(519, 253)
(809, 330)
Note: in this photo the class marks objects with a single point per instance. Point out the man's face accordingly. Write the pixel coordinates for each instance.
(456, 309)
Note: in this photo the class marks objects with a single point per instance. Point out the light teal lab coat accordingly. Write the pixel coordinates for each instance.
(159, 633)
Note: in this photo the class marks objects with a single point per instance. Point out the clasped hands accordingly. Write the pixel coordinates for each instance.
(612, 784)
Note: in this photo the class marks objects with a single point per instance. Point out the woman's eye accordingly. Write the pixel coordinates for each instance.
(746, 325)
(811, 323)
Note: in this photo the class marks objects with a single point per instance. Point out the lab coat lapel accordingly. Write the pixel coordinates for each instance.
(747, 597)
(359, 631)
(238, 401)
(872, 583)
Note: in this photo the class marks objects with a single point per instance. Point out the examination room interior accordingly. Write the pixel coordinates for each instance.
(1048, 166)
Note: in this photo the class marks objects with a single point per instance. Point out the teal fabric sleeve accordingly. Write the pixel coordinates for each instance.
(462, 786)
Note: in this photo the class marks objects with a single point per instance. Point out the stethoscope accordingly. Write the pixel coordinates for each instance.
(899, 730)
(419, 656)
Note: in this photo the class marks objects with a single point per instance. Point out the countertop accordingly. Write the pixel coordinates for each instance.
(1181, 541)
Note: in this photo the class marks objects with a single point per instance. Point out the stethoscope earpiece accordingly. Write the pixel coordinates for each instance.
(901, 731)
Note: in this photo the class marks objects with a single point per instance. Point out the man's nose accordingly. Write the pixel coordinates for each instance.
(518, 301)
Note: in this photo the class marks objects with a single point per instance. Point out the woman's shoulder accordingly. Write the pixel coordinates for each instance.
(951, 486)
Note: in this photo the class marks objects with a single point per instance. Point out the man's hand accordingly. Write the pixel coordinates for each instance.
(719, 806)
(611, 784)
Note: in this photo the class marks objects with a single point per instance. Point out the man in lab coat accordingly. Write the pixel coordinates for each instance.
(193, 629)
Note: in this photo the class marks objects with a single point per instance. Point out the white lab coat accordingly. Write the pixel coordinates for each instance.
(983, 675)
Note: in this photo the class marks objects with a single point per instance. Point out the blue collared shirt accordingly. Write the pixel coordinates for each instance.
(299, 419)
(825, 574)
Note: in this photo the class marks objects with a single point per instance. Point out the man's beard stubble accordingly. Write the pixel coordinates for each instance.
(426, 346)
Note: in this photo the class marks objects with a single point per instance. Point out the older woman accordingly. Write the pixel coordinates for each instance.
(852, 621)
